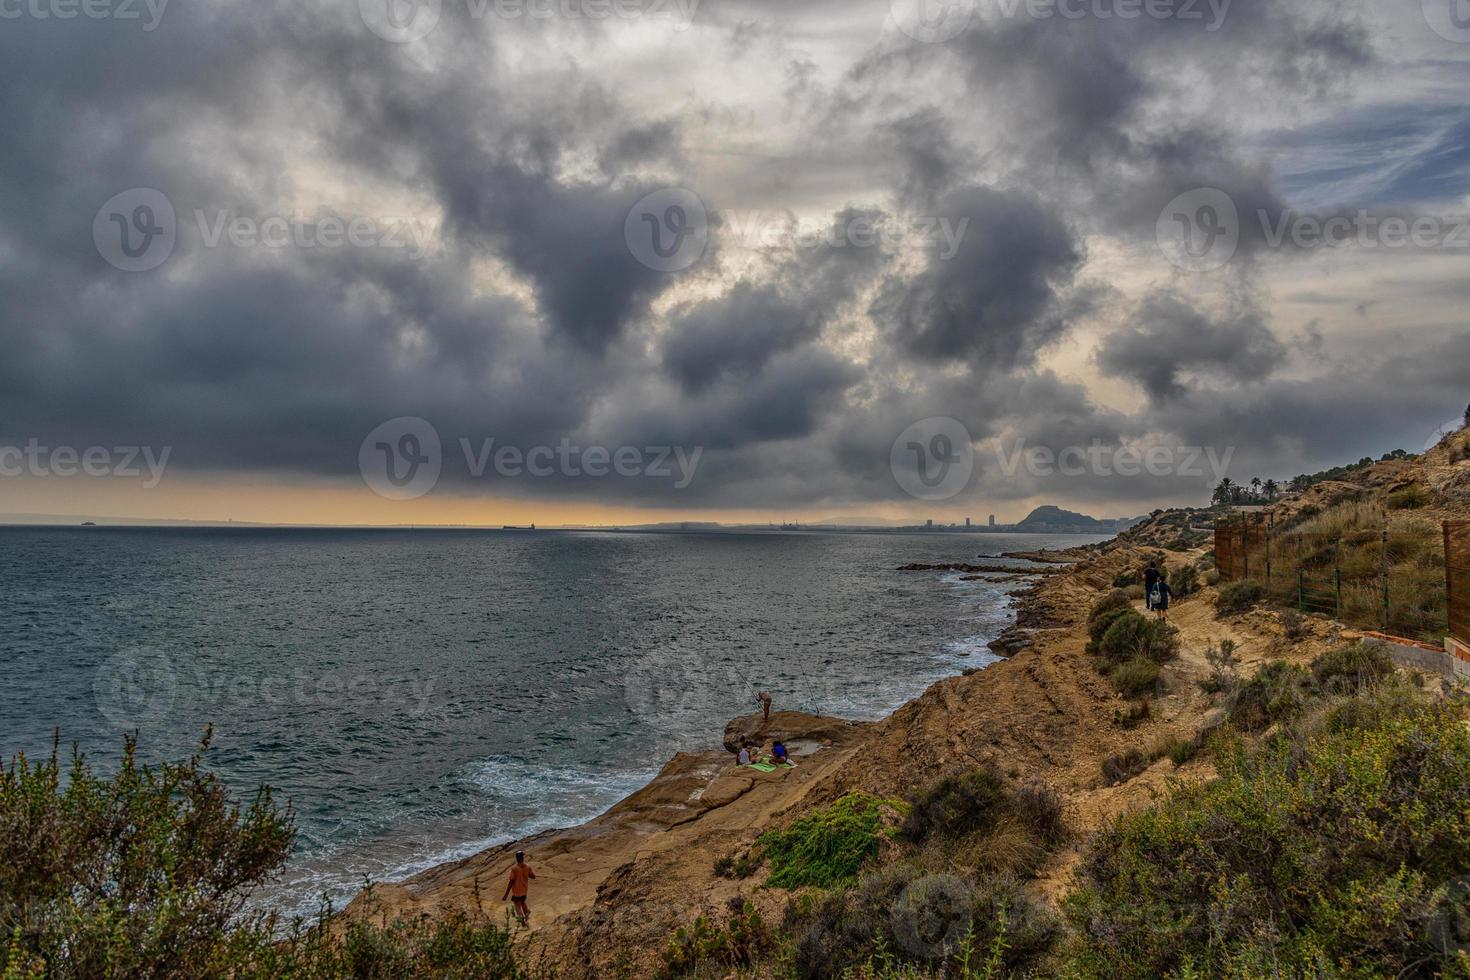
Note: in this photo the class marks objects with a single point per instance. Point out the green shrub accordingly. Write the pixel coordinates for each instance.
(1135, 678)
(1123, 766)
(1237, 597)
(1277, 692)
(1183, 751)
(1293, 625)
(900, 921)
(741, 941)
(956, 805)
(1349, 668)
(1105, 613)
(1135, 714)
(1410, 498)
(826, 847)
(1132, 636)
(147, 874)
(1184, 580)
(1335, 860)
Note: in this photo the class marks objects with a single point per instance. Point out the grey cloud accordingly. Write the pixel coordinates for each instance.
(1169, 337)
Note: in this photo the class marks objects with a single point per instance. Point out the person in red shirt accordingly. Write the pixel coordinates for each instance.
(518, 887)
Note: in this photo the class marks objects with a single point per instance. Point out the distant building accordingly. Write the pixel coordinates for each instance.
(992, 520)
(967, 522)
(929, 523)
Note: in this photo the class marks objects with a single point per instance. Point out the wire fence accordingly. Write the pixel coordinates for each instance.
(1395, 581)
(1457, 578)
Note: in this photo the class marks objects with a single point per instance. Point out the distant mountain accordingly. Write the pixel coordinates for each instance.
(1050, 516)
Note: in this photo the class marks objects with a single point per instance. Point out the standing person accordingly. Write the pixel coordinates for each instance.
(1151, 579)
(1161, 603)
(518, 888)
(765, 700)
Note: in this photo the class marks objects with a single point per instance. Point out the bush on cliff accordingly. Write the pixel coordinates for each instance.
(1237, 597)
(147, 873)
(1133, 636)
(1105, 613)
(826, 847)
(904, 921)
(1335, 852)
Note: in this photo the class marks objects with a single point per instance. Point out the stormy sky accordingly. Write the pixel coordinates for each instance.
(776, 236)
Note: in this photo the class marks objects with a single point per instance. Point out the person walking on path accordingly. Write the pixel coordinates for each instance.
(518, 888)
(765, 701)
(1151, 579)
(1162, 594)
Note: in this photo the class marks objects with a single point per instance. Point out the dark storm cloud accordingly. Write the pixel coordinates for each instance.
(1168, 337)
(522, 147)
(990, 303)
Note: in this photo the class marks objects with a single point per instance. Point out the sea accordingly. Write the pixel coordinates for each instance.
(420, 695)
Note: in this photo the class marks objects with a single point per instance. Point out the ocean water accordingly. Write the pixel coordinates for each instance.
(421, 695)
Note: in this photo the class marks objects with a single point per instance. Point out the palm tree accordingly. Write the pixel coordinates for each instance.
(1271, 490)
(1225, 493)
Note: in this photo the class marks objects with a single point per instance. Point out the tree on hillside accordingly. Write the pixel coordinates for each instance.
(1225, 492)
(1271, 489)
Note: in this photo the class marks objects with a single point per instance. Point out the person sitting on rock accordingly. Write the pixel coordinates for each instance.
(778, 752)
(743, 758)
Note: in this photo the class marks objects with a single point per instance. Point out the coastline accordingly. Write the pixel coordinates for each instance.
(611, 891)
(647, 861)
